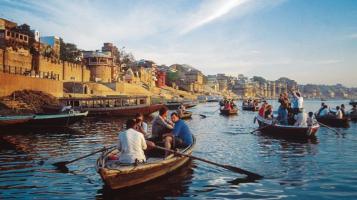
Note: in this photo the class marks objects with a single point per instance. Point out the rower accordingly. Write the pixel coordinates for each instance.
(181, 109)
(343, 109)
(297, 102)
(162, 128)
(132, 144)
(182, 134)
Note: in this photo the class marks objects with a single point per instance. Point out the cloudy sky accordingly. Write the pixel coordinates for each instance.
(311, 41)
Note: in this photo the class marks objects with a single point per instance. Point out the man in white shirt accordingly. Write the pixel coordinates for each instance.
(339, 113)
(297, 102)
(324, 112)
(301, 119)
(131, 144)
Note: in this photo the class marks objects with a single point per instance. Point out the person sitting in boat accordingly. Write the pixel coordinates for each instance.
(162, 128)
(321, 108)
(339, 114)
(354, 109)
(182, 134)
(301, 119)
(262, 109)
(343, 109)
(297, 102)
(141, 126)
(132, 144)
(310, 119)
(282, 115)
(268, 114)
(324, 112)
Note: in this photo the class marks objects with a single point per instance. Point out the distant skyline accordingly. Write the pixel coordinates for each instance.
(308, 41)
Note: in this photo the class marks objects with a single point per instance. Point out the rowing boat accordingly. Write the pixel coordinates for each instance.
(269, 127)
(117, 175)
(250, 107)
(333, 121)
(233, 111)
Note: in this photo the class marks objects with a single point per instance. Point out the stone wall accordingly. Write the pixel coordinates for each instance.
(101, 72)
(1, 58)
(75, 72)
(19, 58)
(52, 66)
(10, 83)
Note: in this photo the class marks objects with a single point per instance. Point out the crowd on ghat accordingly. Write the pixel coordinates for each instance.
(135, 139)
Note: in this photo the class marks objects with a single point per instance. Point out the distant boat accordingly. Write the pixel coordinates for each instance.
(353, 102)
(174, 105)
(333, 121)
(268, 127)
(227, 112)
(186, 115)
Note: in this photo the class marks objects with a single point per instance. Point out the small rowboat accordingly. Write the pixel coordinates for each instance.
(227, 112)
(268, 127)
(116, 175)
(186, 115)
(6, 121)
(353, 116)
(250, 108)
(333, 121)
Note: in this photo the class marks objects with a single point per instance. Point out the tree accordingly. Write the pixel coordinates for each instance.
(69, 52)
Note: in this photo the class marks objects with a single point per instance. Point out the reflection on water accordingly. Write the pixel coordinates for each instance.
(312, 168)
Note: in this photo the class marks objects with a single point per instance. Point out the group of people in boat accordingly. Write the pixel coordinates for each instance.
(250, 102)
(227, 104)
(290, 111)
(135, 140)
(339, 113)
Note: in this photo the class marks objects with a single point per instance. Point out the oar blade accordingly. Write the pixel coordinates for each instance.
(203, 116)
(242, 171)
(60, 164)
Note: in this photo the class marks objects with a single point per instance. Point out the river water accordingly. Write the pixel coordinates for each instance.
(324, 168)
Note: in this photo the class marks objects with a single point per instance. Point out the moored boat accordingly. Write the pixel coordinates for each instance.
(333, 121)
(269, 127)
(117, 175)
(113, 106)
(353, 102)
(55, 120)
(6, 121)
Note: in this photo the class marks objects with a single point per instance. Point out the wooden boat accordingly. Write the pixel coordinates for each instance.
(117, 176)
(6, 121)
(186, 115)
(353, 102)
(113, 106)
(287, 131)
(333, 121)
(174, 105)
(250, 108)
(227, 112)
(352, 116)
(190, 105)
(56, 120)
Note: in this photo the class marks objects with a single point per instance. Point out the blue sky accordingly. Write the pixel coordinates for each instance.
(311, 41)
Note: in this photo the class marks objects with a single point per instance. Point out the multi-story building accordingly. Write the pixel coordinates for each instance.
(213, 82)
(194, 78)
(53, 42)
(100, 65)
(10, 36)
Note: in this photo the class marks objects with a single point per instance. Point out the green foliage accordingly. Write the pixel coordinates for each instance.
(69, 52)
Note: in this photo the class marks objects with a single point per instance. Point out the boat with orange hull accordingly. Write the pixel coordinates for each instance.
(227, 112)
(287, 131)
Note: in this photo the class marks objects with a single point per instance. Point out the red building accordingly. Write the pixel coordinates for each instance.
(160, 78)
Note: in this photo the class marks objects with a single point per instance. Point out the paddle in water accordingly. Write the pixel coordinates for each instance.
(328, 127)
(62, 164)
(229, 167)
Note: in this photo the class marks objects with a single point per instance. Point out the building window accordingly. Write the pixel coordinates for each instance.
(21, 37)
(17, 35)
(12, 34)
(25, 38)
(8, 33)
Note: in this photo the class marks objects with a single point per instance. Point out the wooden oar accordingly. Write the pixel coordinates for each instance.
(328, 127)
(204, 116)
(229, 167)
(64, 163)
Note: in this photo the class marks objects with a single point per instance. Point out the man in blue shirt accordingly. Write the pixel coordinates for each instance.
(182, 133)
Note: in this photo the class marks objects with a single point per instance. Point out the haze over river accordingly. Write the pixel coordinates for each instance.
(325, 168)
